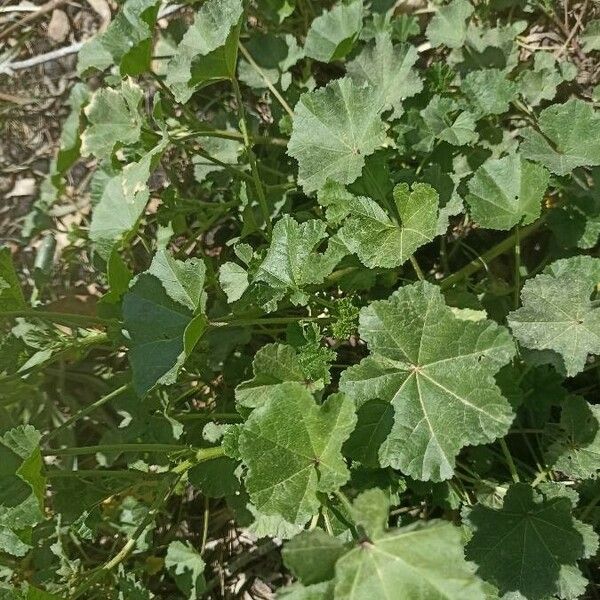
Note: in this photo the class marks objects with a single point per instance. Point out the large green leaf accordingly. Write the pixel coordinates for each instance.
(569, 138)
(438, 372)
(380, 241)
(420, 561)
(575, 449)
(508, 191)
(208, 50)
(332, 35)
(388, 69)
(558, 314)
(334, 129)
(448, 26)
(292, 448)
(187, 567)
(162, 330)
(127, 41)
(114, 119)
(522, 546)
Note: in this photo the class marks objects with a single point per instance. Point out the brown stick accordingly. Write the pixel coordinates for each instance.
(45, 8)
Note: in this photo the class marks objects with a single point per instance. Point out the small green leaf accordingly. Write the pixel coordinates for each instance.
(438, 373)
(557, 313)
(488, 91)
(127, 41)
(379, 241)
(508, 191)
(388, 69)
(575, 450)
(292, 448)
(187, 568)
(11, 295)
(122, 203)
(332, 35)
(114, 119)
(522, 546)
(311, 556)
(334, 129)
(569, 138)
(208, 50)
(448, 26)
(443, 121)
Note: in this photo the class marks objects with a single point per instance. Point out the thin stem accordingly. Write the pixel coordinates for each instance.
(54, 317)
(588, 509)
(478, 263)
(114, 448)
(417, 268)
(517, 277)
(86, 411)
(202, 455)
(112, 473)
(509, 460)
(205, 524)
(260, 192)
(271, 87)
(208, 416)
(266, 321)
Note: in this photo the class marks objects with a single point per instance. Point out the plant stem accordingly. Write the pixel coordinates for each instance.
(417, 268)
(84, 412)
(200, 416)
(266, 321)
(271, 87)
(114, 448)
(202, 455)
(59, 473)
(478, 263)
(509, 460)
(260, 192)
(517, 278)
(54, 317)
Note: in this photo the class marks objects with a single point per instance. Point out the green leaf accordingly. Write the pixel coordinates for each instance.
(11, 295)
(22, 488)
(488, 91)
(420, 561)
(296, 591)
(557, 313)
(70, 138)
(187, 568)
(208, 50)
(311, 556)
(540, 83)
(569, 138)
(522, 546)
(448, 26)
(122, 203)
(291, 262)
(443, 122)
(575, 450)
(334, 129)
(508, 191)
(438, 371)
(163, 331)
(332, 35)
(292, 448)
(127, 41)
(114, 119)
(224, 150)
(388, 69)
(273, 366)
(591, 36)
(377, 240)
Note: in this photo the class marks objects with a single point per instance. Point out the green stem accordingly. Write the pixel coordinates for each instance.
(517, 278)
(230, 135)
(260, 192)
(417, 268)
(202, 455)
(208, 417)
(86, 411)
(509, 460)
(478, 263)
(271, 87)
(54, 317)
(165, 491)
(114, 448)
(266, 321)
(112, 473)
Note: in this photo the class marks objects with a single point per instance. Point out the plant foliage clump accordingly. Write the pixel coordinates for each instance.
(341, 336)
